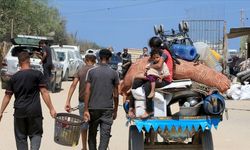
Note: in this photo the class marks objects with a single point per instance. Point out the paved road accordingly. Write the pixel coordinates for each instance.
(232, 134)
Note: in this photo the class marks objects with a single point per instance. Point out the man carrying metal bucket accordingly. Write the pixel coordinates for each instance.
(26, 85)
(101, 100)
(80, 77)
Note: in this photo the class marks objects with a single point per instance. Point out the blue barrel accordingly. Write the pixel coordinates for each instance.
(186, 52)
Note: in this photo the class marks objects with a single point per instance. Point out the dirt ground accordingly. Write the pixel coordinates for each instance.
(231, 134)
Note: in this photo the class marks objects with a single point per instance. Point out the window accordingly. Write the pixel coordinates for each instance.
(71, 55)
(16, 50)
(61, 56)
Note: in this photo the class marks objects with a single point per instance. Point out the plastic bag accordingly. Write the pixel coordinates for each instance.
(234, 92)
(202, 49)
(207, 56)
(245, 92)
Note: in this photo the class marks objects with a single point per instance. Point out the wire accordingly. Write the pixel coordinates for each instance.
(116, 7)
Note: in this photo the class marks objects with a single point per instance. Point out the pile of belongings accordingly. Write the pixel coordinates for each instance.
(241, 90)
(244, 74)
(207, 73)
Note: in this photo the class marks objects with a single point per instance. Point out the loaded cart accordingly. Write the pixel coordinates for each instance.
(187, 126)
(173, 133)
(195, 89)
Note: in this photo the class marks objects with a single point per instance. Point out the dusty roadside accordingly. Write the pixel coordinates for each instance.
(231, 134)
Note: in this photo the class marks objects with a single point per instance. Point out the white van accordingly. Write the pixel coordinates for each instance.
(70, 57)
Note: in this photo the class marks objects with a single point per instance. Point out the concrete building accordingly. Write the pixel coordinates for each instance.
(135, 53)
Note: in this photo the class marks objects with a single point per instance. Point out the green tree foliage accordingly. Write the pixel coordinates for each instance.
(30, 17)
(85, 45)
(36, 17)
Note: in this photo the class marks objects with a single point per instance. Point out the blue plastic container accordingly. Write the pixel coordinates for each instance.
(186, 52)
(214, 104)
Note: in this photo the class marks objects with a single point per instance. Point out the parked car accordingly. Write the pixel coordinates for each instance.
(29, 44)
(57, 72)
(78, 59)
(70, 58)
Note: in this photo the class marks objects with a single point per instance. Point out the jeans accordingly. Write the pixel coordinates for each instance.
(28, 127)
(147, 87)
(85, 125)
(104, 118)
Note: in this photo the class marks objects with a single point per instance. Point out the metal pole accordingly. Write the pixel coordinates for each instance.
(225, 48)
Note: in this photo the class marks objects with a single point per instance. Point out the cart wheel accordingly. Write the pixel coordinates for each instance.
(207, 140)
(196, 139)
(135, 140)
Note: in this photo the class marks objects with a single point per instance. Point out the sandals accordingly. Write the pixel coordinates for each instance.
(151, 95)
(131, 113)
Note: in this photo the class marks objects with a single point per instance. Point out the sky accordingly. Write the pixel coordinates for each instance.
(129, 23)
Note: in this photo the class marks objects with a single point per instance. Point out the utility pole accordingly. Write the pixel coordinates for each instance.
(243, 39)
(242, 18)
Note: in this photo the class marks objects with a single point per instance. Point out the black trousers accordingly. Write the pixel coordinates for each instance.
(147, 87)
(47, 70)
(104, 118)
(47, 73)
(28, 127)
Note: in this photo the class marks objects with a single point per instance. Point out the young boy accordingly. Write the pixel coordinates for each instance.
(156, 74)
(80, 76)
(26, 85)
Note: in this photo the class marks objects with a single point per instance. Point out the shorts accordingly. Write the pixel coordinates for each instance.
(152, 78)
(81, 105)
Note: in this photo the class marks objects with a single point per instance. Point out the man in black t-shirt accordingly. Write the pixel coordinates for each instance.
(101, 100)
(46, 60)
(26, 86)
(126, 62)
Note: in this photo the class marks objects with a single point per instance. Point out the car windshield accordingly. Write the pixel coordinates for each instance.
(61, 56)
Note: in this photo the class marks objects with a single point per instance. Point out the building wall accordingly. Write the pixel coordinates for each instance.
(135, 53)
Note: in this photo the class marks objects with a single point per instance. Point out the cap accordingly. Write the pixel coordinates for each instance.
(90, 52)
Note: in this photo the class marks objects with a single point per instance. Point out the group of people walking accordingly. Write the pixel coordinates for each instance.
(98, 95)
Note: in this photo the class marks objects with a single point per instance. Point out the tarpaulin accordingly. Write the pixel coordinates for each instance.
(184, 124)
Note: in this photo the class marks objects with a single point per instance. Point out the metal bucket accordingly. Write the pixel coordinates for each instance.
(67, 129)
(189, 111)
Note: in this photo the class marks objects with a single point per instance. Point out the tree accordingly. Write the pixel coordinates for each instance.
(36, 17)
